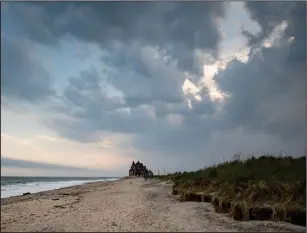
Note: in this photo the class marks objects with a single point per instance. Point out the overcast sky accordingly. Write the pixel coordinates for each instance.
(87, 87)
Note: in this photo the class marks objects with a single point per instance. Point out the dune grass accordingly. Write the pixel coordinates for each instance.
(267, 180)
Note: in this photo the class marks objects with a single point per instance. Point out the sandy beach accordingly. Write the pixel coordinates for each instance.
(123, 205)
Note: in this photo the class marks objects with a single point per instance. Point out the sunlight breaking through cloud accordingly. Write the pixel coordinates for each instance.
(276, 35)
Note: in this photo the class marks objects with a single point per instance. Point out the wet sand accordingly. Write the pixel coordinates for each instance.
(123, 205)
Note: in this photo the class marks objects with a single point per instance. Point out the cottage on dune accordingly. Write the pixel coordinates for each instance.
(139, 170)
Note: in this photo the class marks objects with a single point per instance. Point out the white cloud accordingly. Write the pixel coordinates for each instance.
(276, 35)
(190, 89)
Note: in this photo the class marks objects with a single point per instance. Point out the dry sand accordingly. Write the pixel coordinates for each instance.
(124, 205)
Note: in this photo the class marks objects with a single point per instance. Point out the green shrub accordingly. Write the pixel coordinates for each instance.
(269, 179)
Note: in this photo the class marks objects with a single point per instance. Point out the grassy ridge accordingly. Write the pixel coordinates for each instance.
(268, 180)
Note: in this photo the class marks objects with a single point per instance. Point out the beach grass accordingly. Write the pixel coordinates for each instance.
(277, 183)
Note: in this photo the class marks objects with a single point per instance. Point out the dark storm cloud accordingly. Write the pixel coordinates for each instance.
(267, 94)
(256, 88)
(258, 81)
(276, 79)
(178, 28)
(188, 139)
(21, 76)
(270, 14)
(147, 46)
(297, 29)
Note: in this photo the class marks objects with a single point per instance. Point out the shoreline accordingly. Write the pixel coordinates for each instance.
(127, 204)
(56, 191)
(47, 187)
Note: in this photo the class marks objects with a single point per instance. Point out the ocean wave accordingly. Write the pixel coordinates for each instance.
(34, 187)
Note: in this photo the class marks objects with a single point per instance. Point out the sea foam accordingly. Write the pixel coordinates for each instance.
(34, 187)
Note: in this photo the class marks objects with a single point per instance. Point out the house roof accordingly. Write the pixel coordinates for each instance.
(132, 165)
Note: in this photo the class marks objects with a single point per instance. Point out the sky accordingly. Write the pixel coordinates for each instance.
(89, 87)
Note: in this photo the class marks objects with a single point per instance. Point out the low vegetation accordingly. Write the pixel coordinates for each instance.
(239, 186)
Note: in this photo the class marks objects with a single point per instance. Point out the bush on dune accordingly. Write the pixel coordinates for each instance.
(277, 181)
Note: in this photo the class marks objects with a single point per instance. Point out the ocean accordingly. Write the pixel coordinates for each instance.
(17, 185)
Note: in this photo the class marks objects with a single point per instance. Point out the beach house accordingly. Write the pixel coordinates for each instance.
(140, 170)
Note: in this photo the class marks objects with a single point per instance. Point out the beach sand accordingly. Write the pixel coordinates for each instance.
(123, 205)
